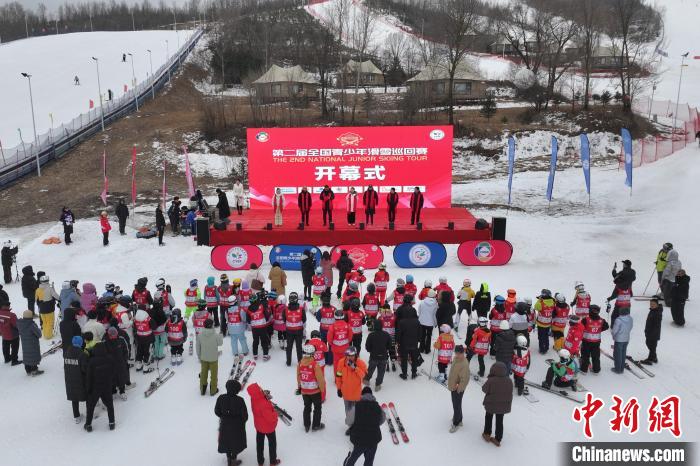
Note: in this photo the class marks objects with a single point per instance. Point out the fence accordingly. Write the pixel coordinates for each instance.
(21, 160)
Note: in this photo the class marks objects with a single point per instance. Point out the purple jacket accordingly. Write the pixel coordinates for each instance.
(88, 300)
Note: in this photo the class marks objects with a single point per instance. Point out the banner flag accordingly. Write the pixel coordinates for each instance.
(188, 173)
(92, 104)
(103, 195)
(552, 168)
(627, 146)
(586, 161)
(133, 175)
(511, 163)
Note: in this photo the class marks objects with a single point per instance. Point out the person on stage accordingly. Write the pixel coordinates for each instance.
(238, 196)
(392, 200)
(370, 199)
(351, 204)
(278, 206)
(304, 201)
(416, 205)
(327, 198)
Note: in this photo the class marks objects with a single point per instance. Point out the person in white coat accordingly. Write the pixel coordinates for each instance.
(278, 206)
(427, 310)
(238, 196)
(351, 205)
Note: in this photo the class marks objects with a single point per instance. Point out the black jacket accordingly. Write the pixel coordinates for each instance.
(174, 210)
(75, 364)
(101, 371)
(680, 288)
(160, 219)
(652, 329)
(7, 255)
(308, 267)
(29, 283)
(365, 431)
(378, 344)
(503, 345)
(122, 211)
(222, 205)
(119, 352)
(4, 297)
(624, 277)
(344, 265)
(445, 313)
(233, 414)
(69, 328)
(404, 311)
(407, 333)
(482, 302)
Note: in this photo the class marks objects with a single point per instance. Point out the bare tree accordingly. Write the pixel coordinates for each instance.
(361, 34)
(523, 29)
(558, 33)
(588, 16)
(339, 23)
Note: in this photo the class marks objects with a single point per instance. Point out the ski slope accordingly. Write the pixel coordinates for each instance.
(53, 61)
(177, 426)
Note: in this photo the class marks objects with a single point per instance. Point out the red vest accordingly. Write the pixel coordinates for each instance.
(592, 329)
(444, 287)
(257, 318)
(119, 312)
(510, 308)
(235, 320)
(480, 341)
(496, 317)
(224, 295)
(175, 334)
(519, 363)
(544, 315)
(165, 296)
(327, 317)
(381, 279)
(370, 303)
(624, 297)
(294, 320)
(583, 304)
(573, 338)
(321, 350)
(191, 297)
(278, 318)
(141, 297)
(411, 289)
(350, 295)
(341, 336)
(143, 327)
(244, 298)
(198, 319)
(355, 322)
(210, 296)
(307, 378)
(388, 323)
(318, 283)
(560, 317)
(445, 350)
(397, 301)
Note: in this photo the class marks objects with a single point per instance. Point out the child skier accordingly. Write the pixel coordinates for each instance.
(160, 338)
(497, 314)
(356, 319)
(236, 322)
(199, 317)
(318, 287)
(445, 345)
(295, 322)
(244, 296)
(278, 324)
(443, 286)
(559, 319)
(163, 293)
(574, 336)
(192, 296)
(258, 316)
(177, 336)
(479, 344)
(311, 385)
(396, 298)
(370, 303)
(562, 373)
(144, 326)
(225, 290)
(339, 336)
(464, 301)
(521, 320)
(410, 286)
(544, 308)
(593, 326)
(381, 280)
(520, 363)
(387, 318)
(211, 296)
(510, 303)
(427, 286)
(351, 291)
(582, 301)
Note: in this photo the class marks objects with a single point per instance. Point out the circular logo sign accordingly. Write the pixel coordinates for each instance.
(484, 252)
(237, 257)
(437, 134)
(419, 255)
(262, 136)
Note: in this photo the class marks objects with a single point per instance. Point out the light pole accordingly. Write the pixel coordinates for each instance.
(167, 58)
(150, 59)
(678, 97)
(133, 82)
(36, 141)
(99, 89)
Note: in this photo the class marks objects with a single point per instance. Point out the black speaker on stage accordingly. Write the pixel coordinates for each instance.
(239, 226)
(481, 224)
(203, 231)
(498, 228)
(419, 226)
(362, 226)
(391, 225)
(268, 226)
(450, 225)
(331, 226)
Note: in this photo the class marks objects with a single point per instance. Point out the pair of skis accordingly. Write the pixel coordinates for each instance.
(159, 381)
(627, 366)
(283, 415)
(54, 348)
(243, 371)
(390, 411)
(640, 366)
(569, 395)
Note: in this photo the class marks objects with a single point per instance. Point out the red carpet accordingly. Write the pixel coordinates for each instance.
(434, 229)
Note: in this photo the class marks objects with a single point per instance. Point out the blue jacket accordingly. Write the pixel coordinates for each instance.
(622, 328)
(68, 296)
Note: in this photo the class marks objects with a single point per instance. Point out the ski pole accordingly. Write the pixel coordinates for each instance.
(652, 276)
(432, 361)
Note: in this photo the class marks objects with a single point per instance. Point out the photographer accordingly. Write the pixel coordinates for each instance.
(9, 256)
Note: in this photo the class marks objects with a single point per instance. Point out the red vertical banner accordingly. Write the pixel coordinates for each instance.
(92, 104)
(103, 195)
(188, 173)
(133, 175)
(165, 187)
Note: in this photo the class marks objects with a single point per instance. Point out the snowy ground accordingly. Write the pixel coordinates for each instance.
(53, 61)
(576, 242)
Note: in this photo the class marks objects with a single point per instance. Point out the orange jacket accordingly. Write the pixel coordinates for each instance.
(318, 371)
(349, 380)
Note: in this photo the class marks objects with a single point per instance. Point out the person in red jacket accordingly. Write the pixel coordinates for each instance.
(574, 336)
(392, 201)
(265, 421)
(370, 199)
(416, 205)
(10, 334)
(105, 227)
(327, 197)
(357, 276)
(381, 282)
(304, 201)
(339, 337)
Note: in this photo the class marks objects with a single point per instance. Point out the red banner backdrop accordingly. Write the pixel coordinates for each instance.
(401, 157)
(235, 257)
(486, 252)
(368, 256)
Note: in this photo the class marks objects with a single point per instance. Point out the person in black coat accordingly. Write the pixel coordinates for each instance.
(174, 214)
(407, 336)
(122, 212)
(392, 201)
(308, 267)
(364, 418)
(222, 205)
(100, 376)
(119, 352)
(9, 251)
(233, 415)
(405, 310)
(626, 276)
(504, 344)
(67, 219)
(202, 204)
(679, 295)
(652, 330)
(29, 286)
(160, 225)
(482, 301)
(446, 310)
(75, 363)
(344, 266)
(69, 328)
(378, 345)
(4, 297)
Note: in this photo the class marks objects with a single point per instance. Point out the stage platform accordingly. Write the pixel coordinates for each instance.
(434, 221)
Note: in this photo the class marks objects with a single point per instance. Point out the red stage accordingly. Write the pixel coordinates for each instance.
(434, 229)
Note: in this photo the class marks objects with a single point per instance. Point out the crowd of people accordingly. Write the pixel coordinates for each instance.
(104, 337)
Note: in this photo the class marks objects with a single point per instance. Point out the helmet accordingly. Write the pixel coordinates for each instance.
(467, 282)
(326, 298)
(232, 300)
(272, 294)
(177, 312)
(382, 266)
(201, 303)
(483, 321)
(579, 286)
(444, 328)
(574, 319)
(443, 279)
(143, 281)
(352, 285)
(315, 334)
(564, 353)
(109, 286)
(594, 309)
(253, 298)
(223, 277)
(237, 281)
(44, 279)
(124, 300)
(308, 349)
(560, 298)
(407, 299)
(319, 270)
(409, 278)
(528, 301)
(339, 314)
(668, 246)
(194, 282)
(160, 283)
(499, 299)
(545, 293)
(355, 304)
(282, 299)
(400, 282)
(73, 283)
(427, 284)
(360, 270)
(521, 341)
(371, 288)
(504, 325)
(351, 351)
(512, 292)
(293, 297)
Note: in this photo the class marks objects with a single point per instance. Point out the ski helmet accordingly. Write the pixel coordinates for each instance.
(382, 266)
(160, 284)
(232, 300)
(564, 353)
(319, 270)
(467, 282)
(499, 299)
(44, 279)
(483, 321)
(352, 285)
(339, 314)
(355, 304)
(272, 295)
(351, 351)
(400, 282)
(521, 341)
(574, 319)
(504, 325)
(579, 286)
(124, 300)
(143, 281)
(409, 278)
(443, 279)
(282, 299)
(444, 328)
(194, 283)
(371, 288)
(594, 309)
(560, 298)
(109, 287)
(177, 312)
(201, 303)
(315, 334)
(545, 293)
(668, 247)
(223, 278)
(427, 284)
(360, 270)
(73, 283)
(308, 350)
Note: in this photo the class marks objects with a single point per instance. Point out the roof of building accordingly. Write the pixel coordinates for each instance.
(434, 72)
(278, 74)
(365, 67)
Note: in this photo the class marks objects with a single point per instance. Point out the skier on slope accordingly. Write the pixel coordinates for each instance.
(520, 363)
(593, 325)
(622, 294)
(325, 315)
(164, 294)
(381, 280)
(562, 373)
(544, 307)
(236, 323)
(339, 337)
(144, 326)
(278, 324)
(224, 290)
(370, 302)
(357, 276)
(411, 287)
(559, 320)
(258, 316)
(159, 335)
(464, 301)
(574, 336)
(387, 318)
(427, 286)
(356, 319)
(295, 324)
(141, 296)
(176, 329)
(351, 291)
(311, 384)
(199, 317)
(211, 296)
(445, 345)
(318, 287)
(244, 295)
(496, 316)
(443, 286)
(192, 296)
(582, 302)
(479, 344)
(521, 320)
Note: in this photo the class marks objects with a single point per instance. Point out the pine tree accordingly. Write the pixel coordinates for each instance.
(488, 107)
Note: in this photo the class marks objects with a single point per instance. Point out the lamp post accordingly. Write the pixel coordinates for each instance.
(133, 82)
(150, 59)
(678, 96)
(99, 89)
(36, 141)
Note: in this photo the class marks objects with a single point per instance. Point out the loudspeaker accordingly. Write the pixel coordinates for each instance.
(481, 224)
(362, 226)
(239, 226)
(218, 225)
(268, 226)
(419, 226)
(450, 225)
(391, 225)
(498, 228)
(331, 226)
(203, 232)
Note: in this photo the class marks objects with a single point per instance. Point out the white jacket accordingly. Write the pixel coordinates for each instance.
(518, 322)
(96, 328)
(426, 312)
(238, 195)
